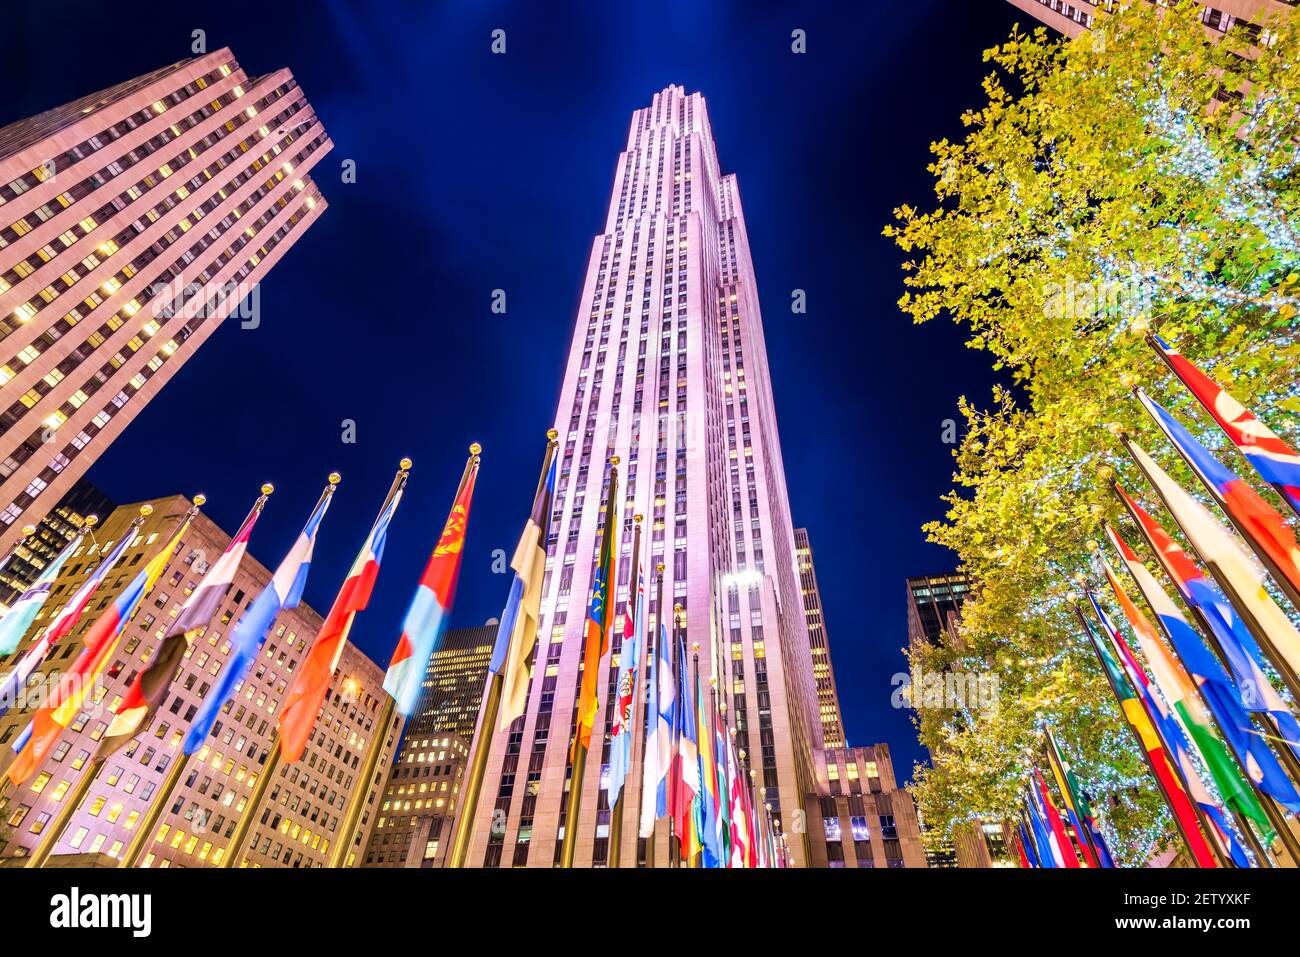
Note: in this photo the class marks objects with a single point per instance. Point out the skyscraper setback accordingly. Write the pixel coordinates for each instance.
(132, 222)
(667, 370)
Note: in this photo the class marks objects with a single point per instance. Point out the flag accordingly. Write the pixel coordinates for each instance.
(282, 593)
(76, 684)
(664, 739)
(627, 688)
(1027, 856)
(1250, 687)
(1062, 849)
(427, 615)
(303, 702)
(706, 820)
(517, 631)
(1275, 461)
(1257, 521)
(686, 765)
(1049, 853)
(149, 689)
(1072, 812)
(739, 828)
(1236, 571)
(723, 822)
(1136, 710)
(67, 618)
(596, 641)
(1200, 671)
(14, 625)
(1078, 800)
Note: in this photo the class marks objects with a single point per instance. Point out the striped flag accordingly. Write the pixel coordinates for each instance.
(629, 668)
(150, 687)
(14, 625)
(1078, 803)
(1062, 849)
(596, 639)
(76, 684)
(1229, 701)
(739, 827)
(720, 745)
(427, 616)
(1275, 461)
(661, 716)
(706, 818)
(1237, 572)
(686, 765)
(282, 593)
(303, 702)
(1049, 853)
(1257, 521)
(517, 632)
(67, 618)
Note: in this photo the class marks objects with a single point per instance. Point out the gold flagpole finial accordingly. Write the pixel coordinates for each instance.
(405, 464)
(660, 568)
(475, 449)
(614, 460)
(29, 530)
(90, 522)
(552, 435)
(146, 510)
(638, 518)
(200, 500)
(267, 488)
(335, 478)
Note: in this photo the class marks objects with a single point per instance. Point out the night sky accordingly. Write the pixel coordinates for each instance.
(478, 172)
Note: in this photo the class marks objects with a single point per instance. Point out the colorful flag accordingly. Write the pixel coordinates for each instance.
(1200, 671)
(627, 688)
(426, 617)
(663, 740)
(723, 822)
(1078, 800)
(1062, 849)
(596, 640)
(517, 632)
(1236, 571)
(706, 819)
(75, 685)
(1257, 521)
(1136, 710)
(67, 618)
(739, 827)
(1250, 687)
(14, 625)
(1082, 838)
(303, 702)
(1027, 856)
(150, 687)
(1049, 854)
(1275, 461)
(686, 765)
(283, 592)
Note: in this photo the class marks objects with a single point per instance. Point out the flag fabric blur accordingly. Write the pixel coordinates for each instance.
(723, 822)
(1072, 813)
(1028, 856)
(427, 616)
(1077, 798)
(1136, 711)
(517, 632)
(1275, 461)
(663, 741)
(1237, 572)
(1257, 521)
(150, 686)
(739, 827)
(76, 684)
(1049, 854)
(67, 618)
(1200, 671)
(1062, 849)
(282, 593)
(627, 687)
(1249, 687)
(706, 819)
(303, 702)
(14, 625)
(596, 631)
(686, 765)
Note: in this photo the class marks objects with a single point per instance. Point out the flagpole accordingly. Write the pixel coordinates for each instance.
(234, 850)
(1087, 853)
(488, 720)
(41, 853)
(674, 772)
(357, 801)
(574, 803)
(1137, 736)
(652, 654)
(144, 829)
(1151, 341)
(616, 816)
(1283, 753)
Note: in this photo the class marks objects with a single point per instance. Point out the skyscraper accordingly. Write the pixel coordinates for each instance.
(422, 793)
(934, 605)
(53, 531)
(1072, 17)
(132, 222)
(868, 820)
(828, 698)
(300, 815)
(668, 370)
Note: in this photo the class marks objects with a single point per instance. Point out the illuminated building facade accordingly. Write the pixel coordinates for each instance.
(828, 699)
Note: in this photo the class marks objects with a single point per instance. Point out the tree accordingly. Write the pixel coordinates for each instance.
(1141, 176)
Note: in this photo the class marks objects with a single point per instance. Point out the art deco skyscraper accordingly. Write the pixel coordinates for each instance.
(1073, 17)
(668, 370)
(132, 222)
(828, 697)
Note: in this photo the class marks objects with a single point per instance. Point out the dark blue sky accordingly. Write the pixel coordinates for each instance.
(478, 172)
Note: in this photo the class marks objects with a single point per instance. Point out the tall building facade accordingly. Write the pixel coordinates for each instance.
(667, 370)
(132, 222)
(828, 698)
(1072, 17)
(867, 819)
(298, 819)
(422, 793)
(934, 605)
(55, 529)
